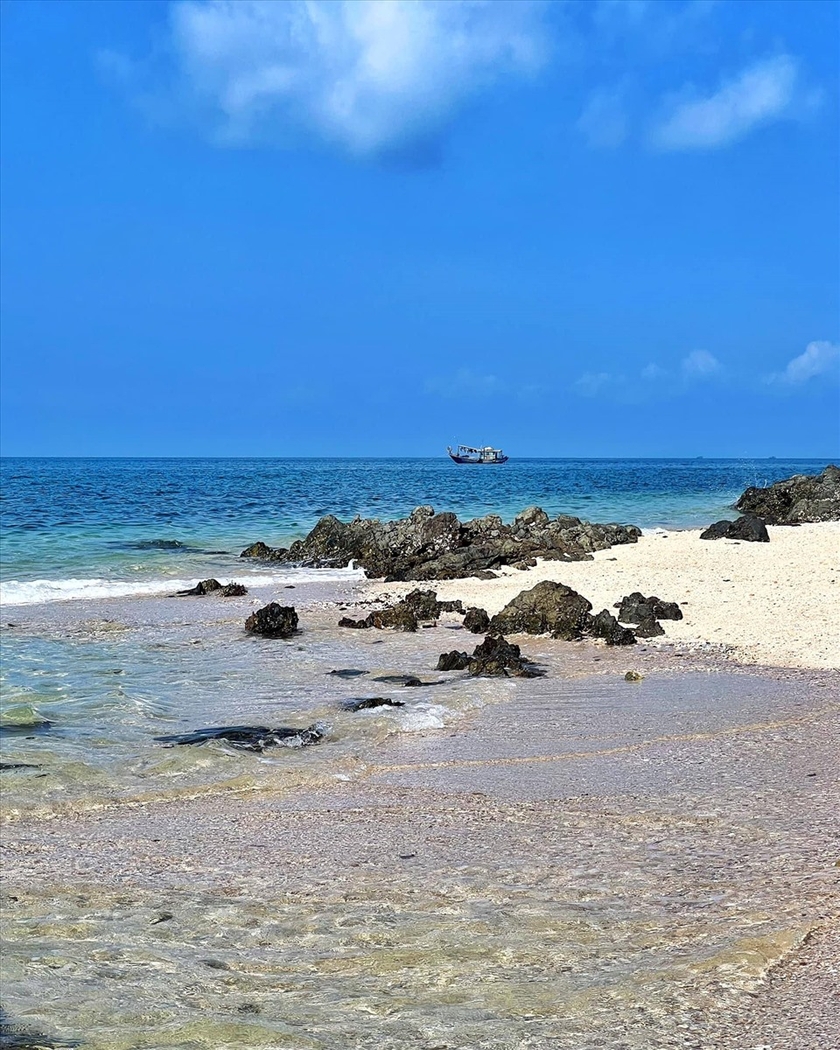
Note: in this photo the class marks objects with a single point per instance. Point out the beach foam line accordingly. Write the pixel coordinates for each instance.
(35, 592)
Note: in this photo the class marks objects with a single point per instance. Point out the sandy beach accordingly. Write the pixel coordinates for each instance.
(773, 604)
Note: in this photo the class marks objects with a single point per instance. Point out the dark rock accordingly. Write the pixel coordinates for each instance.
(364, 703)
(453, 606)
(9, 767)
(635, 608)
(263, 552)
(250, 738)
(273, 621)
(454, 661)
(399, 679)
(605, 626)
(547, 608)
(348, 672)
(347, 621)
(423, 604)
(476, 620)
(748, 528)
(795, 500)
(649, 629)
(428, 546)
(498, 656)
(633, 676)
(202, 587)
(233, 590)
(485, 574)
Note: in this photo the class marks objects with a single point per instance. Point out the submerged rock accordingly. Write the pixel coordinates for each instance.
(273, 621)
(251, 738)
(428, 546)
(29, 728)
(22, 1037)
(348, 672)
(633, 676)
(747, 527)
(548, 608)
(802, 498)
(365, 703)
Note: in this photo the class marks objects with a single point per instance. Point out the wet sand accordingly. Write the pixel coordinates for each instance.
(583, 863)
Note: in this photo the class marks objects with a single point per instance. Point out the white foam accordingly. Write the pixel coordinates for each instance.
(34, 592)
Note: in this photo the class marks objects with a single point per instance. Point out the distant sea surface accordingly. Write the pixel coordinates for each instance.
(75, 528)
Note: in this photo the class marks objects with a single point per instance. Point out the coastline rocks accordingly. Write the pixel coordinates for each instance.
(548, 608)
(497, 656)
(454, 661)
(251, 738)
(273, 621)
(211, 586)
(407, 614)
(476, 620)
(427, 546)
(802, 498)
(635, 608)
(645, 612)
(605, 626)
(747, 527)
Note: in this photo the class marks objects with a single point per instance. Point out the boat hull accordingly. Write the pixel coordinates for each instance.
(474, 462)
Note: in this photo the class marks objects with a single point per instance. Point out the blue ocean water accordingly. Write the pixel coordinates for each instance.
(104, 521)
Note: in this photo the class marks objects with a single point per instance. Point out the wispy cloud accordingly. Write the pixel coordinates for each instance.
(365, 75)
(819, 358)
(764, 92)
(700, 364)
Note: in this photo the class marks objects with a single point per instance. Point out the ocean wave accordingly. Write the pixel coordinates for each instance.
(34, 592)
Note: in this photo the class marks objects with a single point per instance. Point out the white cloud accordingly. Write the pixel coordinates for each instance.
(700, 364)
(653, 372)
(764, 92)
(603, 120)
(367, 75)
(817, 359)
(592, 383)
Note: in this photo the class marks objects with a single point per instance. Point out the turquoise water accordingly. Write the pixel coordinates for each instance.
(85, 524)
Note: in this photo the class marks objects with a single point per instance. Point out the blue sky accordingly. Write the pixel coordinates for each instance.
(288, 228)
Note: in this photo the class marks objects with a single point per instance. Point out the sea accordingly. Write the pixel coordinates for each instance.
(99, 658)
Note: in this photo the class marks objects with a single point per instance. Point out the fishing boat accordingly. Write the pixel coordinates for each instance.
(468, 454)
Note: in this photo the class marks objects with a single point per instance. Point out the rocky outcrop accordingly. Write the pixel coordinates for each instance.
(555, 609)
(211, 586)
(429, 546)
(406, 615)
(273, 621)
(251, 738)
(747, 527)
(802, 498)
(548, 608)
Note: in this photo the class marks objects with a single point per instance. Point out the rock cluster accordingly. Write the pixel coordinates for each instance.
(273, 621)
(798, 499)
(646, 612)
(747, 527)
(494, 656)
(429, 546)
(407, 614)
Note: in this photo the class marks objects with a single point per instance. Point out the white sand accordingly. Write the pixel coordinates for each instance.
(774, 603)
